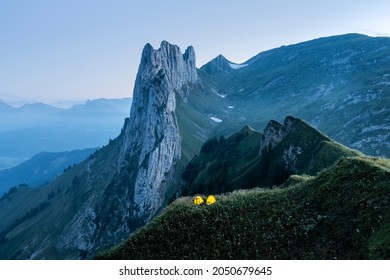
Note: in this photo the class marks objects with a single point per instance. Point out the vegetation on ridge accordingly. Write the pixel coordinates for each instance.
(342, 213)
(225, 165)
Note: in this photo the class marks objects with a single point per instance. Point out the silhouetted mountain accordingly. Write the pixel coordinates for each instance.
(52, 129)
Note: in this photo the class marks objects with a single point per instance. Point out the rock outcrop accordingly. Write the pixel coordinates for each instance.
(274, 133)
(151, 145)
(152, 138)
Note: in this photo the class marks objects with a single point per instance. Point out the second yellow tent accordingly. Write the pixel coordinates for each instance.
(210, 200)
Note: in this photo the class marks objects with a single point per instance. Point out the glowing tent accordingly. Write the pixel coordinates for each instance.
(198, 200)
(210, 200)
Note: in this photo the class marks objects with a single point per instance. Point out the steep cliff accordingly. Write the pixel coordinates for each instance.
(121, 187)
(151, 147)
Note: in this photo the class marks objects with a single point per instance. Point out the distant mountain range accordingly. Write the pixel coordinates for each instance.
(190, 131)
(41, 169)
(38, 127)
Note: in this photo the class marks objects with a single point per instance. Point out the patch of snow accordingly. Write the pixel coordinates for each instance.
(237, 66)
(215, 119)
(221, 95)
(231, 107)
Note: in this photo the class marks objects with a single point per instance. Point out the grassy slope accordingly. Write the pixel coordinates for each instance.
(339, 84)
(317, 151)
(343, 213)
(194, 112)
(217, 165)
(235, 163)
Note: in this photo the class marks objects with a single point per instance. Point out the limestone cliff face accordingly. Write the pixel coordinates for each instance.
(151, 145)
(274, 133)
(152, 138)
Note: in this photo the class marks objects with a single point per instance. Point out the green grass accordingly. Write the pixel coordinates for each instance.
(235, 163)
(215, 166)
(343, 213)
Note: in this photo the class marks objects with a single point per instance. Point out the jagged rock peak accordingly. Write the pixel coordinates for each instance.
(151, 147)
(275, 132)
(168, 61)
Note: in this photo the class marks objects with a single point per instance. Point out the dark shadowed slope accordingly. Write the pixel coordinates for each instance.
(343, 213)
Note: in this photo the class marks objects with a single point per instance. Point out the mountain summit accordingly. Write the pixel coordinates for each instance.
(151, 147)
(217, 66)
(167, 60)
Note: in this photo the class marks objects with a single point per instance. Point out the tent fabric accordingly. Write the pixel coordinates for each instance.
(198, 200)
(210, 200)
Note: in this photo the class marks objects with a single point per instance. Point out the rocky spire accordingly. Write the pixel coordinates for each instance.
(151, 145)
(153, 139)
(169, 61)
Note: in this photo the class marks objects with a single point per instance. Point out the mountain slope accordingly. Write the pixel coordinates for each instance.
(343, 213)
(250, 159)
(41, 168)
(339, 84)
(57, 221)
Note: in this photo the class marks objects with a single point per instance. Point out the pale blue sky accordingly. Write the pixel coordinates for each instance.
(78, 50)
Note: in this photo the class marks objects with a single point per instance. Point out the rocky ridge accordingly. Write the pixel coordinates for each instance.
(151, 146)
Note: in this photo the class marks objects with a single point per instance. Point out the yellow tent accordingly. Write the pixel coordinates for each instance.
(210, 200)
(198, 200)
